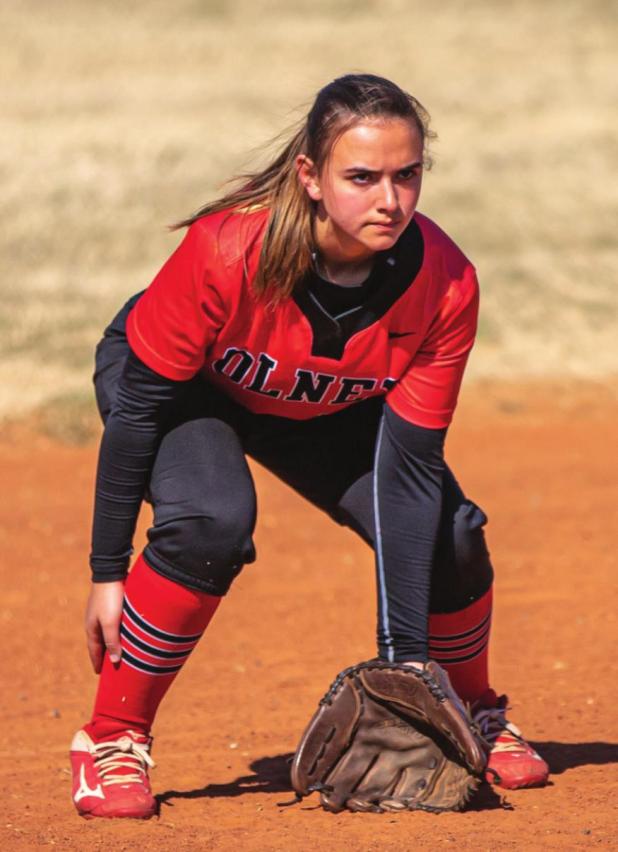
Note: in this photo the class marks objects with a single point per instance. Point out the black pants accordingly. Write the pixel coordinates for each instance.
(203, 495)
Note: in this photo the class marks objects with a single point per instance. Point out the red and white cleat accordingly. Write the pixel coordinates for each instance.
(512, 762)
(110, 778)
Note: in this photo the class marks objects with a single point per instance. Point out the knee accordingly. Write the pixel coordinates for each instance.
(217, 540)
(202, 550)
(462, 566)
(469, 544)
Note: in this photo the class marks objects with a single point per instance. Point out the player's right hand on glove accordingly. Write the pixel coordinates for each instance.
(388, 737)
(103, 614)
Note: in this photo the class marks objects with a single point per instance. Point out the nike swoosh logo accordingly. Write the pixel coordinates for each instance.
(84, 790)
(393, 334)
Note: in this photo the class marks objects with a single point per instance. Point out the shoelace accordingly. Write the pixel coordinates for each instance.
(124, 754)
(492, 723)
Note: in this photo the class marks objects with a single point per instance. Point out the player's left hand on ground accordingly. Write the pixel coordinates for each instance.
(389, 737)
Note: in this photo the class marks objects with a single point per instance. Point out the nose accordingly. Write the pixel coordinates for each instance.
(388, 201)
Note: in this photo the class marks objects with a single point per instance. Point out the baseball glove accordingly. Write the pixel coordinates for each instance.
(389, 737)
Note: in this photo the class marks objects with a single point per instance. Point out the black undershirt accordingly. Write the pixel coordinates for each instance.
(337, 299)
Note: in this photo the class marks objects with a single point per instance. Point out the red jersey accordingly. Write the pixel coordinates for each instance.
(409, 341)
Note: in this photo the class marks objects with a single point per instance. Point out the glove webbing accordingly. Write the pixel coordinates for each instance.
(431, 684)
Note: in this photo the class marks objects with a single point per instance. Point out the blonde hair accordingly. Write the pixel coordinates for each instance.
(287, 249)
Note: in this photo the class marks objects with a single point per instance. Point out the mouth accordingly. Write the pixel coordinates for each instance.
(386, 226)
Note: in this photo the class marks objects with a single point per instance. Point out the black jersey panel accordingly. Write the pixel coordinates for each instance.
(393, 273)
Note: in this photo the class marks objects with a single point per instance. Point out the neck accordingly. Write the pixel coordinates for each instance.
(344, 274)
(339, 259)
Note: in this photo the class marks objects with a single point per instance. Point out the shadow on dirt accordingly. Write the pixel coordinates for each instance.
(563, 756)
(272, 775)
(488, 798)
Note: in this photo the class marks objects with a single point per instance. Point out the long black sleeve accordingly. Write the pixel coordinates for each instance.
(128, 449)
(407, 505)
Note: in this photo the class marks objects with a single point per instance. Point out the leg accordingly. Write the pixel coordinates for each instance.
(459, 627)
(161, 623)
(203, 499)
(204, 506)
(204, 514)
(461, 594)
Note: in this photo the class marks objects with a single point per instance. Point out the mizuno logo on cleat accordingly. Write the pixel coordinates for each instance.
(84, 790)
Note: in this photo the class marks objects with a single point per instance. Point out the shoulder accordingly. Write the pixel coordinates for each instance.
(229, 236)
(444, 260)
(438, 244)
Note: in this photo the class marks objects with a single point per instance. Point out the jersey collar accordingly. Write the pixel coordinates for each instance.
(396, 271)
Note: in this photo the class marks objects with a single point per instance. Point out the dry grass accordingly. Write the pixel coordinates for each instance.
(117, 118)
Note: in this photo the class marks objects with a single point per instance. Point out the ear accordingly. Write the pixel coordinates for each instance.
(308, 176)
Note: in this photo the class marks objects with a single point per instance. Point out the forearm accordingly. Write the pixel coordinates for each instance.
(125, 460)
(127, 453)
(407, 505)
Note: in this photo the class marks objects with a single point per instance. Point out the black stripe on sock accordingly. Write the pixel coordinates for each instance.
(150, 649)
(158, 634)
(456, 648)
(465, 635)
(447, 660)
(147, 667)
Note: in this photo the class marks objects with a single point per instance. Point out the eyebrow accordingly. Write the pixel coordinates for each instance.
(353, 169)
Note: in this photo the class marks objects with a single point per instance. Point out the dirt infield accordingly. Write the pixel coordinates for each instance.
(541, 461)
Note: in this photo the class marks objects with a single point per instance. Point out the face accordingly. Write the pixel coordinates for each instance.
(367, 190)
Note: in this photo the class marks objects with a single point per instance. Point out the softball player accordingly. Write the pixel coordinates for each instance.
(314, 321)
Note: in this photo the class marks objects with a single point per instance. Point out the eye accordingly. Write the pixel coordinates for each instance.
(361, 178)
(409, 174)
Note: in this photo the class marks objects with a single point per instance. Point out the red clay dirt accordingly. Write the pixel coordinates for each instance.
(542, 461)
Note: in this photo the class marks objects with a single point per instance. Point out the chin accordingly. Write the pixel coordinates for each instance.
(383, 242)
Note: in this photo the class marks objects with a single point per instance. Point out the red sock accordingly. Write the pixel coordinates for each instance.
(162, 622)
(459, 641)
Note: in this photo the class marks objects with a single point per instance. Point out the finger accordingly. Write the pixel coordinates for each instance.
(357, 805)
(346, 776)
(416, 779)
(393, 805)
(94, 642)
(111, 638)
(380, 779)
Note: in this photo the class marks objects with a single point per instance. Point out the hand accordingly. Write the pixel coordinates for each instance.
(103, 613)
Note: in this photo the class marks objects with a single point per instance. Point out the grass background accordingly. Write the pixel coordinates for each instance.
(117, 118)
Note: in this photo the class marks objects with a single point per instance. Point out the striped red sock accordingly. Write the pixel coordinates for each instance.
(459, 642)
(162, 622)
